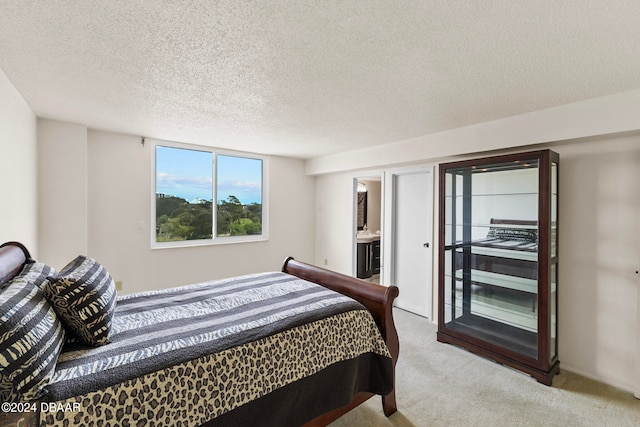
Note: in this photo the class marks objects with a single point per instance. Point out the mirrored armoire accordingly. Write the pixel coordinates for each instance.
(498, 259)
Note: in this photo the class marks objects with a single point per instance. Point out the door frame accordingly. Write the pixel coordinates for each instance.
(376, 174)
(392, 226)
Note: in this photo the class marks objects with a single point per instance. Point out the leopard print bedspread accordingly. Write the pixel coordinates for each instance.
(197, 391)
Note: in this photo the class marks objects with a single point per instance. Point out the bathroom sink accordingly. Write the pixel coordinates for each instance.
(367, 237)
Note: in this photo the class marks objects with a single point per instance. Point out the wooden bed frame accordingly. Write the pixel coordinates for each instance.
(376, 298)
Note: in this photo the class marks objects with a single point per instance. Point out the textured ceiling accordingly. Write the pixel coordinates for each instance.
(309, 78)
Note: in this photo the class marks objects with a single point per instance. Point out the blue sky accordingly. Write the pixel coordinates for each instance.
(188, 174)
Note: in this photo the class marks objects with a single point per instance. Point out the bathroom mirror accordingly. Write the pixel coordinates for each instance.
(362, 209)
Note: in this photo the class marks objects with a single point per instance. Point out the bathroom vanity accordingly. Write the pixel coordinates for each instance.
(368, 255)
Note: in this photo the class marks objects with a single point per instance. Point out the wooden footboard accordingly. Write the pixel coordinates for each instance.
(377, 299)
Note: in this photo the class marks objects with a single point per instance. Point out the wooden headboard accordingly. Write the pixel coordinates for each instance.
(524, 222)
(13, 256)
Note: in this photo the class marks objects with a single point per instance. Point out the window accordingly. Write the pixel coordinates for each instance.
(187, 180)
(239, 195)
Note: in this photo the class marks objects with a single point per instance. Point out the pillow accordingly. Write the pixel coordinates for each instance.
(36, 272)
(83, 295)
(32, 338)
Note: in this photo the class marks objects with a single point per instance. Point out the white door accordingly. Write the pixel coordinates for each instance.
(412, 268)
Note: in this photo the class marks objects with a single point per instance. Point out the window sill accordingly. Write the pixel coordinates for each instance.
(212, 242)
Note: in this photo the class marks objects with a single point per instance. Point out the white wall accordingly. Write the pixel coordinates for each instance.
(18, 168)
(62, 189)
(119, 214)
(599, 254)
(599, 248)
(335, 209)
(514, 196)
(334, 226)
(95, 200)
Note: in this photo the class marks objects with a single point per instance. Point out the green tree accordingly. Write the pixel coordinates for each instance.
(166, 205)
(229, 213)
(236, 219)
(177, 220)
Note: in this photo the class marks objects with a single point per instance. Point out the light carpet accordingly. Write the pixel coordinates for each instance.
(442, 385)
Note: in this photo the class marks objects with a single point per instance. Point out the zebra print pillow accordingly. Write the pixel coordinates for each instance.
(83, 295)
(32, 338)
(36, 272)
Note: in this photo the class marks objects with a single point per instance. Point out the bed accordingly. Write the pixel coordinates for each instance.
(300, 346)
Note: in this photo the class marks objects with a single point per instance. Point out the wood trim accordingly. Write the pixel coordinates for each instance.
(513, 222)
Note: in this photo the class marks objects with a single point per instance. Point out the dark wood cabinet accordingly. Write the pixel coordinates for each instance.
(364, 260)
(368, 259)
(375, 253)
(498, 259)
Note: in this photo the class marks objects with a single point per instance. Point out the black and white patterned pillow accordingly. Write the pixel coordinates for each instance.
(83, 295)
(32, 338)
(36, 272)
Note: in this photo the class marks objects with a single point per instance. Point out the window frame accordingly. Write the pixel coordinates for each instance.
(214, 240)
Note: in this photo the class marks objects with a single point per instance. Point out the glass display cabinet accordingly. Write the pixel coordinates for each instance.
(498, 259)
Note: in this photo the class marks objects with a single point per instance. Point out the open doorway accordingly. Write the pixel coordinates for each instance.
(367, 235)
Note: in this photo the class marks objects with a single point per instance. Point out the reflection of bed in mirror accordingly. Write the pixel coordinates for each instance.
(503, 275)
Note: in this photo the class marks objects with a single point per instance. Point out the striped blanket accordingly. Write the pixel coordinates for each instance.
(162, 333)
